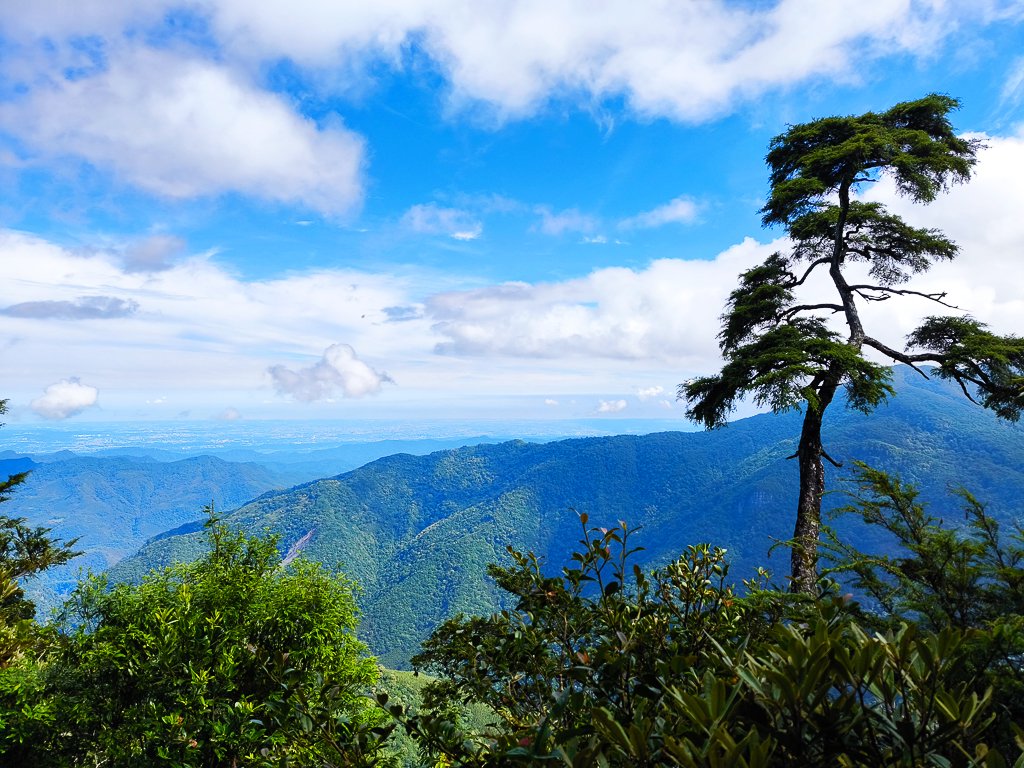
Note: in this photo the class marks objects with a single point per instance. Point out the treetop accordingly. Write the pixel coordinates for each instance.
(913, 141)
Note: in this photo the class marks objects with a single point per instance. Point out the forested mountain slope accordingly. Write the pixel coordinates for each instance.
(417, 532)
(115, 504)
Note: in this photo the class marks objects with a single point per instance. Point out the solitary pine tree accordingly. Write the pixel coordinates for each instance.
(785, 355)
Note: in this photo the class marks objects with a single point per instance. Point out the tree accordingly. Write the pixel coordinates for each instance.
(232, 660)
(24, 551)
(784, 352)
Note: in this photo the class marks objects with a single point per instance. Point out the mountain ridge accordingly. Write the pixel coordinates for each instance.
(417, 531)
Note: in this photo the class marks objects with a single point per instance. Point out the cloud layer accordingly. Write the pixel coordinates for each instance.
(192, 109)
(188, 323)
(82, 308)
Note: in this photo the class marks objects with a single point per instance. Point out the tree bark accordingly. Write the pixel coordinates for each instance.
(804, 555)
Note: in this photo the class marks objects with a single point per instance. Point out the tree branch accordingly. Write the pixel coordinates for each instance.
(811, 268)
(936, 297)
(833, 462)
(806, 307)
(967, 394)
(902, 357)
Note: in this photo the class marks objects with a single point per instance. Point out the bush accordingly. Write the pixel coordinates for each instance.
(231, 660)
(604, 665)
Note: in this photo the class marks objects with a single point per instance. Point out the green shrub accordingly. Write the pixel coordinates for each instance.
(231, 660)
(607, 666)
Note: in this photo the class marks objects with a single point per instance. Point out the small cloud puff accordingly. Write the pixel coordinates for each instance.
(645, 393)
(550, 402)
(229, 414)
(680, 210)
(570, 220)
(339, 369)
(431, 219)
(611, 406)
(64, 399)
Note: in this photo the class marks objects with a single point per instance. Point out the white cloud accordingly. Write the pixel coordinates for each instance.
(681, 210)
(182, 127)
(152, 254)
(667, 311)
(679, 59)
(570, 220)
(550, 402)
(82, 308)
(646, 393)
(1013, 85)
(611, 406)
(229, 414)
(208, 330)
(64, 399)
(983, 218)
(687, 61)
(432, 219)
(203, 329)
(339, 370)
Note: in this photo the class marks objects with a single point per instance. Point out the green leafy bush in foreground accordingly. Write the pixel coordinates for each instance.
(232, 660)
(606, 666)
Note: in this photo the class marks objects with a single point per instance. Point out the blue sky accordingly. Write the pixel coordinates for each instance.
(312, 209)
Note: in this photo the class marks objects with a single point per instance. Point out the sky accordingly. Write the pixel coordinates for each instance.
(309, 209)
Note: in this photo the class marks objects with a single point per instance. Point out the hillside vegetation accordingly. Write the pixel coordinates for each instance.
(418, 532)
(113, 505)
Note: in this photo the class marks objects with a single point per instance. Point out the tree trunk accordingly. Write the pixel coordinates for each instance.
(804, 558)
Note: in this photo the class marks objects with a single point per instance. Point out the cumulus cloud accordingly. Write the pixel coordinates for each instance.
(983, 218)
(611, 406)
(688, 61)
(339, 370)
(182, 127)
(82, 308)
(683, 60)
(431, 219)
(666, 311)
(681, 210)
(64, 399)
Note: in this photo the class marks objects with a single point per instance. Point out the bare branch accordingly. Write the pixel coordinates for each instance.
(967, 394)
(869, 297)
(833, 462)
(808, 307)
(936, 297)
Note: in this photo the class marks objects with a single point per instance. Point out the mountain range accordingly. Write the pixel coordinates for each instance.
(416, 532)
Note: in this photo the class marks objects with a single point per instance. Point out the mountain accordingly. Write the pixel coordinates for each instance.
(113, 505)
(416, 532)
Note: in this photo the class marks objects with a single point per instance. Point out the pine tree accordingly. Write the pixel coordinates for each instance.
(786, 354)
